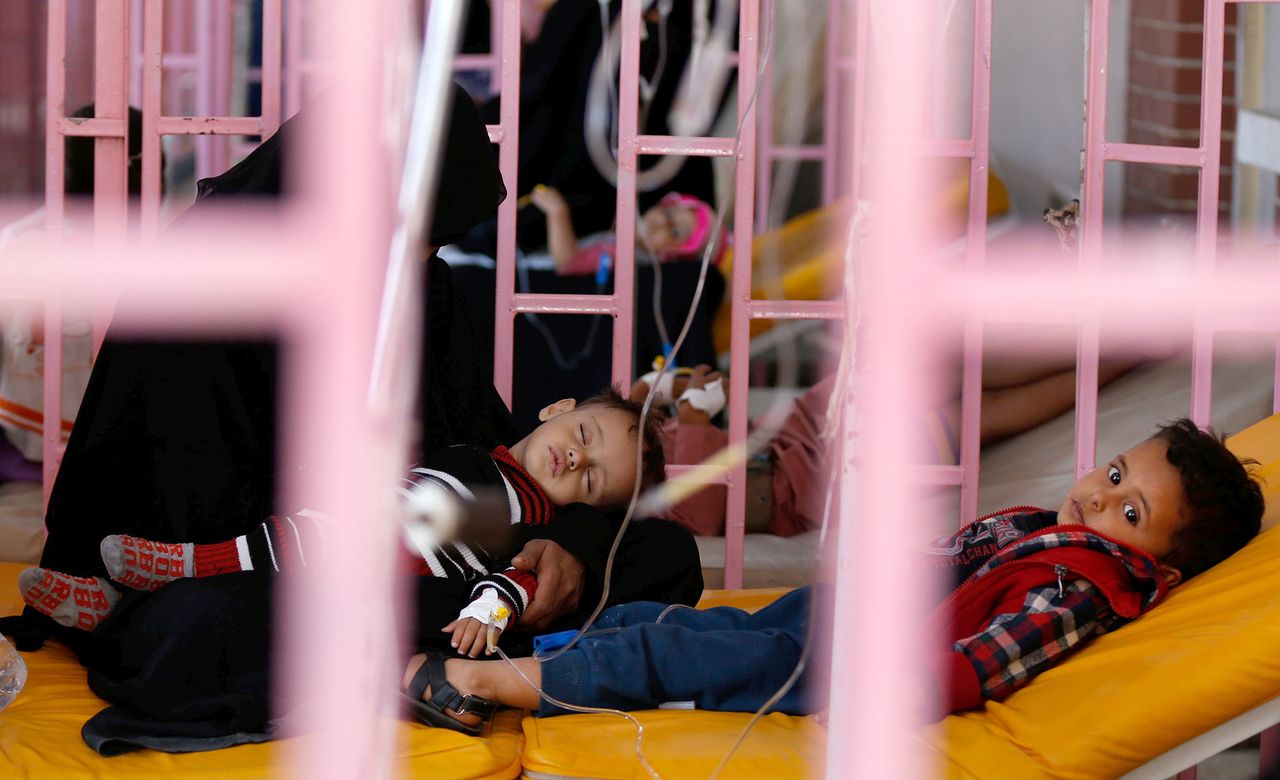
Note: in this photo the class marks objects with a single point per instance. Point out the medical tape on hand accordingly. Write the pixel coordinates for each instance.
(489, 609)
(664, 392)
(710, 399)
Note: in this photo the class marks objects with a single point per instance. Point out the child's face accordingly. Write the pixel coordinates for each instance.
(582, 454)
(668, 225)
(1135, 499)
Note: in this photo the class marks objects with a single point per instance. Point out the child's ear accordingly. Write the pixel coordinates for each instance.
(1171, 575)
(556, 409)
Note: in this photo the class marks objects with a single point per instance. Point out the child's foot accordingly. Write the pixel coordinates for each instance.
(463, 712)
(145, 565)
(75, 602)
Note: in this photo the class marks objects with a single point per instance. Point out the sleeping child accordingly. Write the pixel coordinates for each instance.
(581, 453)
(679, 226)
(1031, 587)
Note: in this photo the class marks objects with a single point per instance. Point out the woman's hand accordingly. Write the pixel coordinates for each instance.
(560, 579)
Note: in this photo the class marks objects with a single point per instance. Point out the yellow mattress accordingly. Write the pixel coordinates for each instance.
(1209, 653)
(40, 732)
(678, 743)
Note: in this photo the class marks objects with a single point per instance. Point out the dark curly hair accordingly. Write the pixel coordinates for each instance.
(1222, 507)
(654, 464)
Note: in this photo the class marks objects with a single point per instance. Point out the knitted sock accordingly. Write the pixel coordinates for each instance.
(142, 564)
(280, 544)
(75, 602)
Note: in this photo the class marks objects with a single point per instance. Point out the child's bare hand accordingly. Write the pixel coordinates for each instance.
(548, 199)
(470, 636)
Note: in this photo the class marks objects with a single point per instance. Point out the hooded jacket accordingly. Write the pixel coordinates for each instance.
(1031, 593)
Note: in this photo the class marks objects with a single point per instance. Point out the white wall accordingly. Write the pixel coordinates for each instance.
(1037, 103)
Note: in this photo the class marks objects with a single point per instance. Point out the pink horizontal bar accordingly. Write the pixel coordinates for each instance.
(700, 146)
(564, 304)
(795, 310)
(473, 62)
(951, 148)
(797, 152)
(1161, 155)
(937, 475)
(211, 125)
(93, 128)
(495, 133)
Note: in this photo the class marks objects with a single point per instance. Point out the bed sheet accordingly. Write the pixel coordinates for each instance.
(40, 732)
(21, 521)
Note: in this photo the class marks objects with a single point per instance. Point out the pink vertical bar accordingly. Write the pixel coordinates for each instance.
(740, 334)
(135, 48)
(628, 132)
(764, 119)
(971, 378)
(56, 109)
(220, 105)
(351, 740)
(54, 198)
(152, 73)
(272, 28)
(497, 24)
(204, 84)
(831, 105)
(508, 162)
(1207, 208)
(111, 88)
(857, 131)
(876, 595)
(293, 57)
(111, 155)
(1093, 189)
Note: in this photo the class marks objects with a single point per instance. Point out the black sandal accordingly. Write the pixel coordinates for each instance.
(444, 697)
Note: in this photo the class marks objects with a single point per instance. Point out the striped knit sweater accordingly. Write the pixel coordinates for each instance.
(465, 471)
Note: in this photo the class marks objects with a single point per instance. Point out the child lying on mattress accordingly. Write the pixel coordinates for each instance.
(785, 483)
(1032, 587)
(678, 226)
(582, 453)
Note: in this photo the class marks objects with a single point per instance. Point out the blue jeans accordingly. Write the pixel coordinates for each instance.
(720, 659)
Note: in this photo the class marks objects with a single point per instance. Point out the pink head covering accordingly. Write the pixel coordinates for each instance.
(703, 216)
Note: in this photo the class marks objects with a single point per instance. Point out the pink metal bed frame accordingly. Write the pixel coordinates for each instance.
(209, 291)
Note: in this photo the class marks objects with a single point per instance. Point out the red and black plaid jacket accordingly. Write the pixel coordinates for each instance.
(1031, 593)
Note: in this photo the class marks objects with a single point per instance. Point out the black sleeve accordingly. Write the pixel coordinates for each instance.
(657, 560)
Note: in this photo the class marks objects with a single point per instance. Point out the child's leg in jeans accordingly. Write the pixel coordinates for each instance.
(720, 659)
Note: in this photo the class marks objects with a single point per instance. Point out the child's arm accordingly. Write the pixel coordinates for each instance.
(1054, 621)
(479, 624)
(562, 242)
(512, 589)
